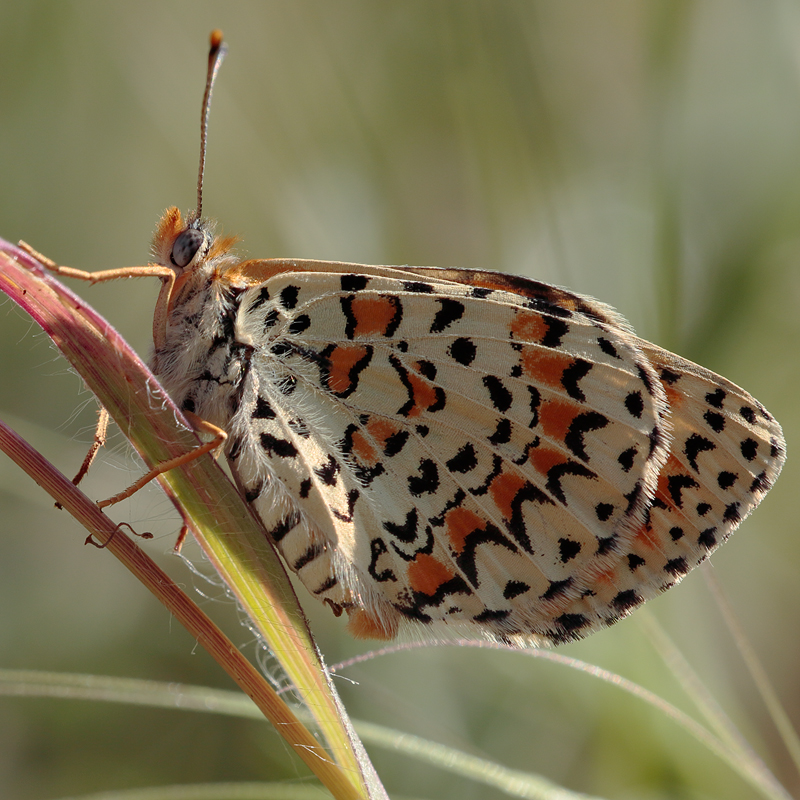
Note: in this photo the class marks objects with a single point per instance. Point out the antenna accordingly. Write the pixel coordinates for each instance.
(216, 54)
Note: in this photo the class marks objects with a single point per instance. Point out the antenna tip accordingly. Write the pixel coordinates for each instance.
(216, 39)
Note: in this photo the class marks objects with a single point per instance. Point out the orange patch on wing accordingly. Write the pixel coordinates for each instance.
(381, 430)
(426, 574)
(459, 523)
(555, 417)
(363, 625)
(341, 362)
(544, 366)
(503, 489)
(422, 393)
(363, 450)
(670, 469)
(645, 537)
(373, 315)
(544, 458)
(607, 579)
(674, 397)
(527, 326)
(662, 494)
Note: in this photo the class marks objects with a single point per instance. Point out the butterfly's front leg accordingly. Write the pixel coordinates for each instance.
(150, 270)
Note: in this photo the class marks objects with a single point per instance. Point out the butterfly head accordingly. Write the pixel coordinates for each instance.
(186, 244)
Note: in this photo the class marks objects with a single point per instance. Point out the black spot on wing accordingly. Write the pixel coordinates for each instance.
(502, 432)
(418, 287)
(708, 538)
(634, 561)
(288, 296)
(568, 549)
(567, 627)
(288, 523)
(646, 380)
(626, 458)
(499, 396)
(450, 311)
(463, 351)
(405, 531)
(558, 472)
(604, 511)
(273, 446)
(491, 615)
(694, 446)
(676, 484)
(354, 282)
(582, 424)
(668, 376)
(716, 398)
(262, 298)
(635, 404)
(557, 329)
(732, 513)
(514, 589)
(377, 549)
(715, 421)
(427, 481)
(263, 409)
(607, 347)
(749, 448)
(627, 600)
(748, 414)
(300, 323)
(556, 589)
(395, 443)
(464, 460)
(328, 471)
(676, 567)
(579, 368)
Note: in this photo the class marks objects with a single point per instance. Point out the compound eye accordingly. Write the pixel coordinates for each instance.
(186, 246)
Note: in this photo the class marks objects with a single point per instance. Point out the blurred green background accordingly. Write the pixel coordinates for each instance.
(644, 153)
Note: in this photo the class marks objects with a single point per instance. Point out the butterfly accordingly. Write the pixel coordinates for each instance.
(460, 450)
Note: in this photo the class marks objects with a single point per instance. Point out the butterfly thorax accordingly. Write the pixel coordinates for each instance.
(201, 365)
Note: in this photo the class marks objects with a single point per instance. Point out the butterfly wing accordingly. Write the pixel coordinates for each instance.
(447, 451)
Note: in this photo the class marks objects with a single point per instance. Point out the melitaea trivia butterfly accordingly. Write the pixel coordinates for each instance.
(453, 447)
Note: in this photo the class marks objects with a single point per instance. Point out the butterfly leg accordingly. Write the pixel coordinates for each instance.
(151, 270)
(166, 275)
(201, 426)
(100, 435)
(182, 534)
